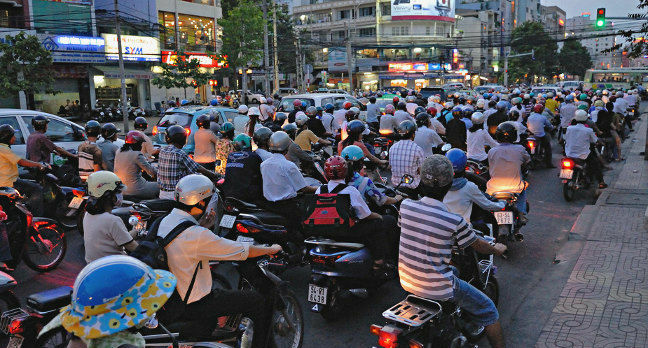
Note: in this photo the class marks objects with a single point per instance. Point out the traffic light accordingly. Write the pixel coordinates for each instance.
(600, 18)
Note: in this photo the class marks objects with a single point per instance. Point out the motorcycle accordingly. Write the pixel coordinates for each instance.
(63, 204)
(35, 240)
(508, 220)
(8, 299)
(574, 176)
(536, 151)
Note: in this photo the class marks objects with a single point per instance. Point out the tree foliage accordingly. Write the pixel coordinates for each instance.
(243, 34)
(574, 58)
(636, 42)
(183, 73)
(285, 40)
(525, 38)
(26, 66)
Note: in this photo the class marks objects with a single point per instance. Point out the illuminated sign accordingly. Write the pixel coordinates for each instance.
(407, 67)
(455, 55)
(561, 22)
(440, 10)
(134, 48)
(74, 49)
(206, 61)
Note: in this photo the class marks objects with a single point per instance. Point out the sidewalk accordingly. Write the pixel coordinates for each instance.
(605, 301)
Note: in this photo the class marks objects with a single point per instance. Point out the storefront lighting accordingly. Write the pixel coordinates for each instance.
(417, 50)
(324, 50)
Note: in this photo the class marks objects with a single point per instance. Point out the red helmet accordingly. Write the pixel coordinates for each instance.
(432, 111)
(297, 103)
(347, 105)
(335, 168)
(396, 100)
(134, 137)
(538, 108)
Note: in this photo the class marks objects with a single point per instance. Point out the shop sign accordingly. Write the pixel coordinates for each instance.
(438, 10)
(206, 61)
(408, 67)
(74, 49)
(67, 71)
(337, 60)
(134, 48)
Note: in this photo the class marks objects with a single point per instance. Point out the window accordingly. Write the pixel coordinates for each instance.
(12, 121)
(167, 29)
(57, 131)
(395, 31)
(427, 31)
(366, 11)
(404, 31)
(196, 33)
(327, 101)
(344, 14)
(341, 34)
(385, 9)
(367, 32)
(440, 30)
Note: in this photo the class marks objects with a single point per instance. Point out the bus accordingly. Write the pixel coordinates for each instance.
(615, 78)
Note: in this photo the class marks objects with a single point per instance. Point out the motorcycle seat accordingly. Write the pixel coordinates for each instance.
(159, 204)
(332, 243)
(268, 218)
(242, 205)
(50, 300)
(503, 195)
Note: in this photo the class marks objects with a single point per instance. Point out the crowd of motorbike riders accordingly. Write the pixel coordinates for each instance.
(262, 156)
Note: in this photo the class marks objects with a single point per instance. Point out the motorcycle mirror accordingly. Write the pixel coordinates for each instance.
(446, 147)
(152, 322)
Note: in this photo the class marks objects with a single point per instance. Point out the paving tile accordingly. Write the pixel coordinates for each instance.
(625, 320)
(586, 291)
(569, 330)
(553, 340)
(580, 306)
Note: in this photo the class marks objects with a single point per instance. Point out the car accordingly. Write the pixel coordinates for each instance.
(427, 92)
(395, 89)
(545, 89)
(570, 85)
(339, 91)
(454, 85)
(186, 116)
(284, 91)
(319, 99)
(62, 132)
(252, 98)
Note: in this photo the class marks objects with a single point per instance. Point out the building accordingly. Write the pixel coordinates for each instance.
(526, 11)
(553, 20)
(581, 27)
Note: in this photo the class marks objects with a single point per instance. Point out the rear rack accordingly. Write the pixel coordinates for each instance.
(9, 316)
(413, 311)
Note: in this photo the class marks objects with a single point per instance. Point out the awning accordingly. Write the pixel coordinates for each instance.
(111, 72)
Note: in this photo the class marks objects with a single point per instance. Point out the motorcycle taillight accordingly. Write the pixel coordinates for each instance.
(155, 130)
(246, 229)
(567, 164)
(387, 335)
(532, 145)
(15, 327)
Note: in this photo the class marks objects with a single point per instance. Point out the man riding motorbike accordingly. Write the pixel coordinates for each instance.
(130, 162)
(108, 146)
(205, 143)
(405, 157)
(578, 139)
(39, 146)
(261, 138)
(426, 137)
(243, 172)
(538, 124)
(90, 159)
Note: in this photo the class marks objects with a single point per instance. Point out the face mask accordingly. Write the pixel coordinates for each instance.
(120, 198)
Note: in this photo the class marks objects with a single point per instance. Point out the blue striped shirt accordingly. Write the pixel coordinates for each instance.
(428, 233)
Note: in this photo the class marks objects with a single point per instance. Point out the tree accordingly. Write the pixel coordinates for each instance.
(182, 73)
(243, 37)
(26, 66)
(532, 36)
(637, 44)
(574, 58)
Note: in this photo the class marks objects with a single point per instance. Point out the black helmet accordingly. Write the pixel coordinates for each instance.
(203, 121)
(406, 129)
(39, 122)
(419, 110)
(280, 118)
(261, 136)
(6, 133)
(401, 106)
(108, 131)
(355, 127)
(506, 132)
(93, 128)
(422, 118)
(290, 129)
(176, 135)
(140, 123)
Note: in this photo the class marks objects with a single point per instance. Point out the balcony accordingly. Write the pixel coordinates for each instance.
(328, 5)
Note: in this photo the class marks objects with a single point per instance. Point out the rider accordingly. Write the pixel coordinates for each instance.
(355, 156)
(496, 118)
(401, 114)
(426, 244)
(478, 138)
(240, 121)
(456, 129)
(315, 124)
(253, 123)
(578, 139)
(261, 138)
(224, 147)
(105, 234)
(295, 153)
(356, 129)
(90, 159)
(388, 125)
(537, 124)
(189, 255)
(567, 110)
(205, 143)
(39, 146)
(129, 165)
(108, 146)
(405, 156)
(243, 172)
(148, 149)
(279, 121)
(425, 136)
(305, 137)
(327, 118)
(373, 110)
(339, 116)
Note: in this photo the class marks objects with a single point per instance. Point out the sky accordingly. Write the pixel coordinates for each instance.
(615, 8)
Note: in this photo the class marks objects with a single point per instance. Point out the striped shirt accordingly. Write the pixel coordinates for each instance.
(428, 233)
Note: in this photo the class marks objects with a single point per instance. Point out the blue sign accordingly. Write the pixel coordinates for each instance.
(74, 49)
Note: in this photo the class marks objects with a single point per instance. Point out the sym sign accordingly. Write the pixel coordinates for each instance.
(438, 10)
(206, 61)
(134, 48)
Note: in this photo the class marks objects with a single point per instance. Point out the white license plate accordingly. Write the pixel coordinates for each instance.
(75, 203)
(244, 239)
(566, 173)
(15, 342)
(504, 217)
(317, 294)
(227, 221)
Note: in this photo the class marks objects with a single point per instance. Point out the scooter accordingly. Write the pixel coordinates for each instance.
(508, 220)
(574, 176)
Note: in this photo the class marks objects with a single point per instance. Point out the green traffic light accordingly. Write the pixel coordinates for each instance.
(600, 23)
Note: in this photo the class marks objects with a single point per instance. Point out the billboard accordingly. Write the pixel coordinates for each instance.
(206, 61)
(134, 48)
(74, 49)
(439, 10)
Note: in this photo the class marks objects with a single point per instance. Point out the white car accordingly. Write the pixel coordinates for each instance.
(545, 89)
(320, 99)
(62, 132)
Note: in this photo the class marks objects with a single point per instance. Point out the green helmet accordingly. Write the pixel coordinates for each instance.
(352, 153)
(242, 142)
(226, 128)
(583, 96)
(583, 107)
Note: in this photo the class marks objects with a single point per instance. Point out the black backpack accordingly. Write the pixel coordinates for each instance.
(328, 214)
(151, 249)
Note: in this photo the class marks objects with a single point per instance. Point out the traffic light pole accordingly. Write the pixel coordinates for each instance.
(506, 59)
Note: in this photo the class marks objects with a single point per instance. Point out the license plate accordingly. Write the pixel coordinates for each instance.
(504, 217)
(15, 342)
(317, 294)
(533, 150)
(227, 221)
(244, 239)
(75, 203)
(566, 173)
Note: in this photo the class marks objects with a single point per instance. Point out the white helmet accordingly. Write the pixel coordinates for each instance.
(477, 118)
(193, 188)
(300, 119)
(449, 105)
(481, 103)
(516, 91)
(103, 181)
(410, 98)
(437, 98)
(527, 96)
(580, 115)
(263, 100)
(606, 92)
(430, 99)
(243, 109)
(619, 94)
(550, 95)
(355, 110)
(254, 111)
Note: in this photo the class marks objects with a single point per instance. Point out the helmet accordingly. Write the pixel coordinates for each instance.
(477, 118)
(457, 111)
(304, 104)
(329, 107)
(263, 100)
(352, 153)
(538, 108)
(582, 107)
(108, 131)
(254, 111)
(93, 128)
(618, 94)
(580, 115)
(550, 95)
(599, 103)
(301, 119)
(213, 102)
(515, 101)
(406, 129)
(111, 285)
(335, 168)
(410, 98)
(311, 111)
(527, 96)
(355, 110)
(583, 96)
(481, 103)
(39, 122)
(203, 121)
(134, 137)
(419, 110)
(227, 128)
(269, 101)
(242, 142)
(261, 136)
(389, 109)
(193, 188)
(103, 181)
(395, 99)
(432, 111)
(401, 106)
(184, 102)
(279, 142)
(280, 117)
(422, 119)
(449, 105)
(506, 132)
(569, 98)
(500, 106)
(350, 115)
(140, 124)
(436, 171)
(176, 135)
(243, 109)
(6, 133)
(290, 129)
(297, 103)
(458, 159)
(355, 127)
(347, 105)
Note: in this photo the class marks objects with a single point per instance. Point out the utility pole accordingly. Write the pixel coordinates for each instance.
(124, 107)
(274, 47)
(297, 63)
(266, 50)
(349, 57)
(506, 59)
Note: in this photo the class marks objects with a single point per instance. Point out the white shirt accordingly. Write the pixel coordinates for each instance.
(437, 126)
(476, 141)
(281, 178)
(327, 121)
(487, 113)
(339, 116)
(631, 99)
(577, 141)
(435, 105)
(193, 245)
(388, 122)
(402, 116)
(461, 201)
(567, 111)
(267, 111)
(105, 234)
(427, 139)
(621, 106)
(505, 168)
(411, 108)
(357, 202)
(263, 154)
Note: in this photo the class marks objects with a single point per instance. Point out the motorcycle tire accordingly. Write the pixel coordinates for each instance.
(31, 248)
(568, 191)
(56, 338)
(334, 309)
(492, 290)
(293, 309)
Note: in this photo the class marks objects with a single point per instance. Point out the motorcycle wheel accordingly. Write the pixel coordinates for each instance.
(79, 222)
(568, 191)
(333, 310)
(56, 338)
(282, 336)
(48, 242)
(492, 290)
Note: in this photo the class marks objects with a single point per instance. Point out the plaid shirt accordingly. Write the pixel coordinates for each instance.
(406, 157)
(173, 165)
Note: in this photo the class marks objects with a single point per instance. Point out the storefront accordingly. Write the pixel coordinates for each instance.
(413, 75)
(195, 33)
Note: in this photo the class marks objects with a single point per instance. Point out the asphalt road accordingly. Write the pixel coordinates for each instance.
(527, 279)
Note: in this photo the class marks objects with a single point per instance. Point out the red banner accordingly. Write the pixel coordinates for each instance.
(206, 61)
